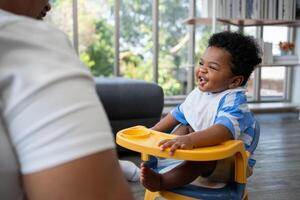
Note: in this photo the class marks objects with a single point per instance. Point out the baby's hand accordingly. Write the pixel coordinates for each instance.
(180, 142)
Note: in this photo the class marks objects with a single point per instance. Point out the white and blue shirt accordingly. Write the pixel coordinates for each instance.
(229, 108)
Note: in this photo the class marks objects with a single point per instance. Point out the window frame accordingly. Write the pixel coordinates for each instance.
(191, 51)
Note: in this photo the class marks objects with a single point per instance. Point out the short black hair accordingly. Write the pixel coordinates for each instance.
(244, 50)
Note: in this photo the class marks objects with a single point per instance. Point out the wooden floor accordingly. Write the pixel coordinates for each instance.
(277, 171)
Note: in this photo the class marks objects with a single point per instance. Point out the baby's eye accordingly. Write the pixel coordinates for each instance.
(200, 63)
(213, 67)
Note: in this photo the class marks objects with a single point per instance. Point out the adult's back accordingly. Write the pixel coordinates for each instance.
(10, 182)
(52, 120)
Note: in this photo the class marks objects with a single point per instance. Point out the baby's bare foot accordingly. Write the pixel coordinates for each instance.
(150, 179)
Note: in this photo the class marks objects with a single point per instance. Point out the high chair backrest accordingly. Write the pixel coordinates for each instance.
(255, 138)
(254, 144)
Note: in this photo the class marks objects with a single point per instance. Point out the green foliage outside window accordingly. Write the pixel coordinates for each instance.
(99, 56)
(96, 36)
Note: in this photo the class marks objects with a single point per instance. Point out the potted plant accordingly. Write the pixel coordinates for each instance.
(286, 47)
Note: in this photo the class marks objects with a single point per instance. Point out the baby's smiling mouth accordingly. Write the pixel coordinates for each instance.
(202, 80)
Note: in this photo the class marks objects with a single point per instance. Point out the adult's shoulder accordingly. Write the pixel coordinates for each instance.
(24, 30)
(34, 55)
(35, 45)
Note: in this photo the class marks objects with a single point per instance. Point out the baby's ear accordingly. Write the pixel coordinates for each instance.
(236, 81)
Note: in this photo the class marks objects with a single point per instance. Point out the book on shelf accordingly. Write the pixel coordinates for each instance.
(253, 9)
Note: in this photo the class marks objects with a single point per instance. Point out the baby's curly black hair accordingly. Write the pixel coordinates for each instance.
(244, 50)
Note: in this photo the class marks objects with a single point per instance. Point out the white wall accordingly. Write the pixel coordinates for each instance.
(296, 74)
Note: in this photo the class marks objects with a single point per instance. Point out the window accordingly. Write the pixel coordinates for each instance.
(173, 46)
(272, 83)
(95, 31)
(250, 92)
(274, 78)
(96, 35)
(136, 39)
(281, 35)
(91, 25)
(61, 16)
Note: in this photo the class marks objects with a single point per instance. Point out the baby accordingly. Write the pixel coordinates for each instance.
(214, 112)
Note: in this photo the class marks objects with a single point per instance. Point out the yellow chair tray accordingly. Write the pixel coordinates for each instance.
(145, 141)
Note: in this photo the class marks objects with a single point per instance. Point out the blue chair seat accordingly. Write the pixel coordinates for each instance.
(232, 191)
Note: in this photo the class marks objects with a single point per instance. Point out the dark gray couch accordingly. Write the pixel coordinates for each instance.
(129, 102)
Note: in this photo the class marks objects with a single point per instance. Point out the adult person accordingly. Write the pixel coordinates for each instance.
(50, 112)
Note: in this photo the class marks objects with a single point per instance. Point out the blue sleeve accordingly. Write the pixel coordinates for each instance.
(231, 113)
(178, 115)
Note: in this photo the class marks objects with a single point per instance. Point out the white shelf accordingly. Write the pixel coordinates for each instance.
(242, 22)
(280, 64)
(286, 60)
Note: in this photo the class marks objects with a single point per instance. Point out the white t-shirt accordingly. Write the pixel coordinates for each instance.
(49, 108)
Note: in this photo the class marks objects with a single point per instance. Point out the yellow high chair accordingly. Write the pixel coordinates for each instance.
(145, 141)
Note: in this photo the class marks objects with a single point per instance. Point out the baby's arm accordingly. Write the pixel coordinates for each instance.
(211, 136)
(183, 130)
(214, 135)
(165, 124)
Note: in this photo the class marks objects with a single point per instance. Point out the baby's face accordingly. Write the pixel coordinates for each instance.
(213, 73)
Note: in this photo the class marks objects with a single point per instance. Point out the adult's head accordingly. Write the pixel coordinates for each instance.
(31, 8)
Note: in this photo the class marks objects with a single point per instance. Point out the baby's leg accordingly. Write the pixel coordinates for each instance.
(179, 176)
(183, 130)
